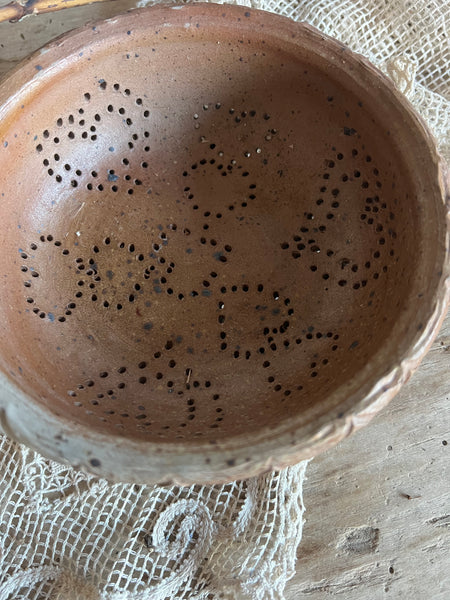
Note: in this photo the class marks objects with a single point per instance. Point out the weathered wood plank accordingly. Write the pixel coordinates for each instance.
(17, 40)
(378, 506)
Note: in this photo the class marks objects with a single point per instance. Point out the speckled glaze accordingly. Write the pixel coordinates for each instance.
(224, 245)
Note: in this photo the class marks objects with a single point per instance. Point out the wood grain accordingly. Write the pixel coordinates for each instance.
(378, 505)
(16, 10)
(17, 40)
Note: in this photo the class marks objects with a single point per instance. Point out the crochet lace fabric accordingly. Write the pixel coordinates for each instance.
(65, 535)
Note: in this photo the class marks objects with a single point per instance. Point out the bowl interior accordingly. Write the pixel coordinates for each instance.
(206, 231)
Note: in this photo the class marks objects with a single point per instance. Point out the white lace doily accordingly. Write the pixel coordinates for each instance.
(68, 536)
(65, 535)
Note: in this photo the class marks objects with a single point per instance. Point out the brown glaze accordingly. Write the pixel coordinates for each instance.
(223, 244)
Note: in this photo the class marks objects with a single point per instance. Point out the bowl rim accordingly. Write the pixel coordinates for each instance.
(269, 448)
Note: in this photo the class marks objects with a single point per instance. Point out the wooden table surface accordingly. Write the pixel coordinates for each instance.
(378, 506)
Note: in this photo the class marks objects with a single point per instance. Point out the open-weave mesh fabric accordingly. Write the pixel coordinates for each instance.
(67, 536)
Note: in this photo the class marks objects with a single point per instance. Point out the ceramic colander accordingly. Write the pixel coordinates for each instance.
(224, 244)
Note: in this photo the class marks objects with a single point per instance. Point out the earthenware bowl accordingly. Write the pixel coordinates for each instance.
(224, 244)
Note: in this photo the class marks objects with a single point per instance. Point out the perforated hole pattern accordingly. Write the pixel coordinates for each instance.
(212, 267)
